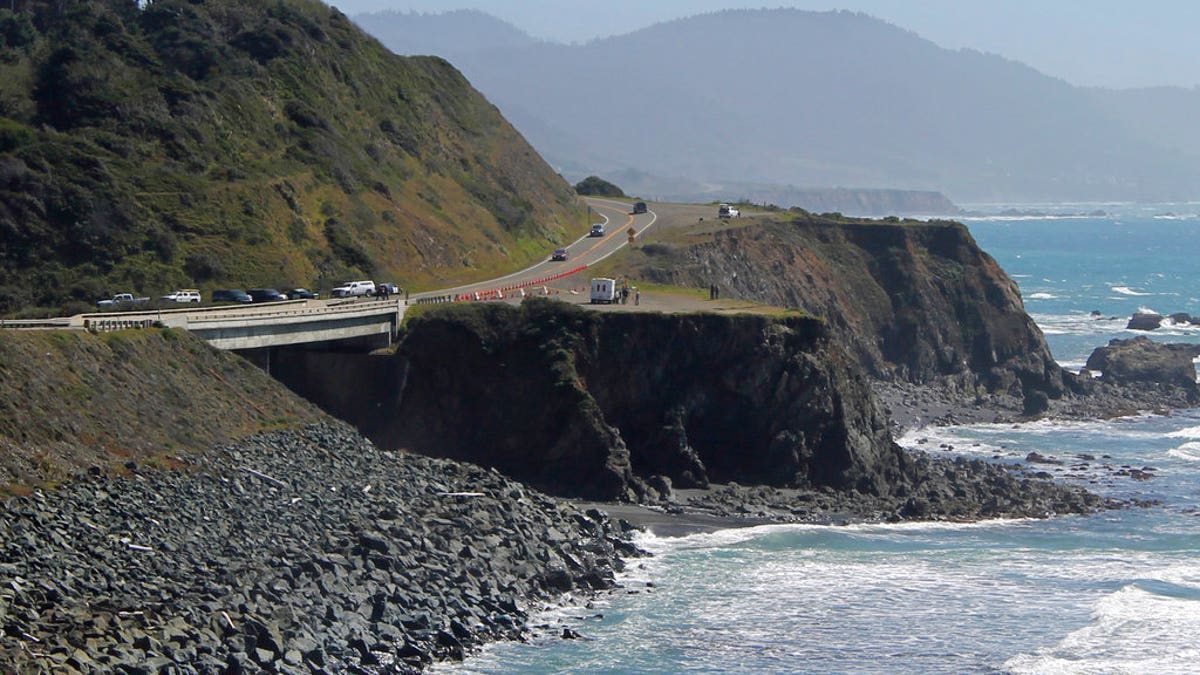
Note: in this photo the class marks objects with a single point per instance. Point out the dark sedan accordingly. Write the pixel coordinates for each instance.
(302, 294)
(266, 295)
(231, 295)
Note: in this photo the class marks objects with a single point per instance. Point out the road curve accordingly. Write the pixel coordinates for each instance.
(581, 253)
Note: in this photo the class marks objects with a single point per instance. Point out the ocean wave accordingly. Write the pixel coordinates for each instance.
(1025, 218)
(769, 535)
(1186, 432)
(1042, 296)
(1125, 290)
(1132, 630)
(1189, 452)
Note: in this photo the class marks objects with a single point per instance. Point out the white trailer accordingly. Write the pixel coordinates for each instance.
(604, 291)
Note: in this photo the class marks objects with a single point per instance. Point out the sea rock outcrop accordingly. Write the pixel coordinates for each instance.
(1145, 321)
(1142, 361)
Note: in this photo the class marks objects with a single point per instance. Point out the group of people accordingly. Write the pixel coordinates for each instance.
(384, 291)
(714, 293)
(625, 291)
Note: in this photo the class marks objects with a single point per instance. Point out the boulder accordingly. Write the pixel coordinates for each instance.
(1144, 321)
(1140, 360)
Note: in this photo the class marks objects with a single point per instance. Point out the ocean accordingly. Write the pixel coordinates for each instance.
(1114, 592)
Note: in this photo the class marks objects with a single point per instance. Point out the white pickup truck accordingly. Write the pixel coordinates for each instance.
(120, 300)
(352, 289)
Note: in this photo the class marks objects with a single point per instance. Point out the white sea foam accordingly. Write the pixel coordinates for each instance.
(1132, 630)
(1125, 290)
(1042, 296)
(1186, 432)
(1189, 452)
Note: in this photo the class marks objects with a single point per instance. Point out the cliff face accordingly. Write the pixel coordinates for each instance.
(913, 301)
(593, 404)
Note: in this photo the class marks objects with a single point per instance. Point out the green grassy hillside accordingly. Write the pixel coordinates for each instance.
(219, 143)
(72, 401)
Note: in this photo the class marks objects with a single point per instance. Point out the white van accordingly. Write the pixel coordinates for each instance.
(352, 289)
(604, 291)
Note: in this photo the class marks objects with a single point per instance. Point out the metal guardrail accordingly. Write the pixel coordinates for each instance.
(109, 325)
(56, 322)
(331, 309)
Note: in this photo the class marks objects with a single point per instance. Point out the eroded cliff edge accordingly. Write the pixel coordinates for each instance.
(915, 302)
(608, 405)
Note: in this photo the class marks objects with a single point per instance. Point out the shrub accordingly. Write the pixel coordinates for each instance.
(595, 186)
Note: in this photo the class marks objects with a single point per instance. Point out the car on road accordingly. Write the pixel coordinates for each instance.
(121, 300)
(266, 295)
(383, 289)
(183, 295)
(597, 230)
(352, 289)
(639, 207)
(231, 295)
(559, 254)
(302, 294)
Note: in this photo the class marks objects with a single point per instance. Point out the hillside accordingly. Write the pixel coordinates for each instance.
(219, 143)
(821, 99)
(72, 401)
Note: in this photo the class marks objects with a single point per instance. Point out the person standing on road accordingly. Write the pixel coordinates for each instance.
(637, 296)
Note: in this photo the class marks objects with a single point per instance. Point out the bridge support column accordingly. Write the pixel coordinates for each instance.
(259, 356)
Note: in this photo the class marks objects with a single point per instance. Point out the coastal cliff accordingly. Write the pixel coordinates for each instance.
(914, 302)
(630, 406)
(593, 405)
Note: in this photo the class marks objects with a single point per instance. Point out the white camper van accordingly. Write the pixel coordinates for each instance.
(604, 291)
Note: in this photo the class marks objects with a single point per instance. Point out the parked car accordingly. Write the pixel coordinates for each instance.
(266, 295)
(184, 295)
(597, 230)
(302, 294)
(559, 254)
(383, 289)
(231, 295)
(352, 289)
(121, 299)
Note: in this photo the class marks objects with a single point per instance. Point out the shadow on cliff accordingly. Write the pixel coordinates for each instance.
(605, 405)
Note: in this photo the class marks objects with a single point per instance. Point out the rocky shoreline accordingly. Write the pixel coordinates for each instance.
(292, 551)
(956, 489)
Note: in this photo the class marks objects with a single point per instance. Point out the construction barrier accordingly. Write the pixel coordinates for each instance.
(515, 289)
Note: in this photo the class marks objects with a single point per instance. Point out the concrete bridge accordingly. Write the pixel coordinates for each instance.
(352, 323)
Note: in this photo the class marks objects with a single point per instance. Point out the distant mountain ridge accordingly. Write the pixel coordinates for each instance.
(821, 99)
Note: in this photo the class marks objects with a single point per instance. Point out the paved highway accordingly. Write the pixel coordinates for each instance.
(582, 252)
(616, 215)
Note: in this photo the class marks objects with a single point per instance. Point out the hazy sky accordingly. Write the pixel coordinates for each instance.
(1113, 43)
